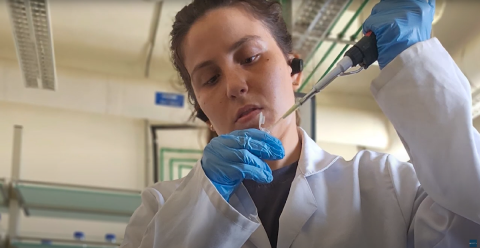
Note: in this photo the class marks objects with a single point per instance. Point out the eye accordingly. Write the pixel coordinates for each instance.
(212, 80)
(250, 59)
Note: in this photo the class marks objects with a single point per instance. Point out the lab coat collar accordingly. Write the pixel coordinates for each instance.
(242, 201)
(312, 158)
(300, 206)
(301, 203)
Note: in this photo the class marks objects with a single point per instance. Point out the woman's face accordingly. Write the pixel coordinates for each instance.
(237, 71)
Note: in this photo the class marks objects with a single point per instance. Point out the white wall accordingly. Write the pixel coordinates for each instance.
(94, 93)
(348, 150)
(344, 150)
(351, 127)
(75, 148)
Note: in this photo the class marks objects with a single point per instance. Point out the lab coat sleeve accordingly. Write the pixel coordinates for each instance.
(427, 98)
(194, 215)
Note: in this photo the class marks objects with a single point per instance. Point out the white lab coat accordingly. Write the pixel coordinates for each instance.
(371, 201)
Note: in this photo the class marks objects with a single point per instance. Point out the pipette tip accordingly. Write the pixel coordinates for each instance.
(293, 108)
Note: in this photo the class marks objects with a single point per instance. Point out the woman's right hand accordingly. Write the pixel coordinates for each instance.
(399, 24)
(229, 159)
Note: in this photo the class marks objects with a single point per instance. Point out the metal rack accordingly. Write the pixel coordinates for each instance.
(340, 39)
(75, 202)
(312, 23)
(59, 201)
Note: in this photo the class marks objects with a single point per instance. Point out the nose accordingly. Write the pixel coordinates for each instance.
(236, 85)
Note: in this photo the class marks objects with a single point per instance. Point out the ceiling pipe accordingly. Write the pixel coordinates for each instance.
(152, 36)
(341, 54)
(309, 58)
(340, 36)
(287, 12)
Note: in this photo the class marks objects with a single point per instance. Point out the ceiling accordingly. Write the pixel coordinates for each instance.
(103, 36)
(111, 37)
(457, 25)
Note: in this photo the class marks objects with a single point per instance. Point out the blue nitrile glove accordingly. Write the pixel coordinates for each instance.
(399, 24)
(230, 158)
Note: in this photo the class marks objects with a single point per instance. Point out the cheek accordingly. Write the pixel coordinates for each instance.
(212, 105)
(205, 105)
(279, 90)
(279, 81)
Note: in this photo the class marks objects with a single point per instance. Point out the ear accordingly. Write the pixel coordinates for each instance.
(210, 126)
(297, 77)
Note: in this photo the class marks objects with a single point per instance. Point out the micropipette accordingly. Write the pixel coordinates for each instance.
(363, 53)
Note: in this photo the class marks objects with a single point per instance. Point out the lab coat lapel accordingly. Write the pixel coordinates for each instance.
(301, 203)
(312, 158)
(241, 199)
(299, 207)
(259, 238)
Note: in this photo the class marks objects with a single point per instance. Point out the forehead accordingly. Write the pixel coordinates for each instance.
(215, 32)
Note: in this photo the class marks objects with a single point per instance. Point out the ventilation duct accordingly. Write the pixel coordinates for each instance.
(33, 42)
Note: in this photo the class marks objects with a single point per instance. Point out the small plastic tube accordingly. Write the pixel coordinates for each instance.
(261, 121)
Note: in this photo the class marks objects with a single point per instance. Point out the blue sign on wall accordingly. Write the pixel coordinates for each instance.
(169, 99)
(473, 243)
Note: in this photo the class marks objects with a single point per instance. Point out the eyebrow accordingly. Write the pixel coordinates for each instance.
(240, 42)
(232, 48)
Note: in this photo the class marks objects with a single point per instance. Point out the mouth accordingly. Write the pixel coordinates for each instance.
(247, 113)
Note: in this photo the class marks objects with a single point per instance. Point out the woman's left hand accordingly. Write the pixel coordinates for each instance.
(399, 24)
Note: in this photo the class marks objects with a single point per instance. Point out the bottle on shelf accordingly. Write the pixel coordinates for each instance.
(79, 236)
(46, 242)
(110, 238)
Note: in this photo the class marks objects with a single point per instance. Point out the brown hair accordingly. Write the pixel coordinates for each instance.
(268, 12)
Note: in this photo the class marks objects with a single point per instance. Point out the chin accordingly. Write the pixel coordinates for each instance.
(246, 126)
(281, 128)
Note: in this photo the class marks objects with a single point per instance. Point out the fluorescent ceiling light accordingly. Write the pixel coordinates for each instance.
(33, 40)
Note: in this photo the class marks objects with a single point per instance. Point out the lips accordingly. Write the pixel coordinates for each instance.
(245, 111)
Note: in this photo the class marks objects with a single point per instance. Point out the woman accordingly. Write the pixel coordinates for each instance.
(252, 189)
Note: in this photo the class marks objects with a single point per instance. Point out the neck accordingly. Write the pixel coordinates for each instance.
(293, 146)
